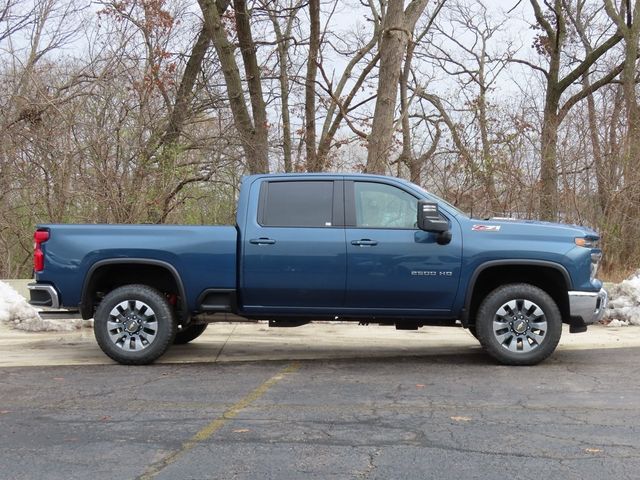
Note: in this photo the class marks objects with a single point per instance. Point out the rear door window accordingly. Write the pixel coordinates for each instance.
(297, 204)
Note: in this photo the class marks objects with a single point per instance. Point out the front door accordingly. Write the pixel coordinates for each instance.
(391, 264)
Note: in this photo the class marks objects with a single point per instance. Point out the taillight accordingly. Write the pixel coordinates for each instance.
(39, 237)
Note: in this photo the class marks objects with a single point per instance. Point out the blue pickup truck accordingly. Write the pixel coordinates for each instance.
(306, 247)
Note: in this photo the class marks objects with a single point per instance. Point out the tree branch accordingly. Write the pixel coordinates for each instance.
(589, 60)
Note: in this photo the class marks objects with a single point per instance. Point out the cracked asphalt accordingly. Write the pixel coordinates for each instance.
(442, 416)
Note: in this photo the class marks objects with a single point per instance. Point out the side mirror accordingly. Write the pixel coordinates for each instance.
(429, 218)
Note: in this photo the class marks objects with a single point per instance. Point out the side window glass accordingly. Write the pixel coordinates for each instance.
(298, 204)
(384, 206)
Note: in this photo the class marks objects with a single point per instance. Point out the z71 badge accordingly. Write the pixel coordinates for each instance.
(486, 228)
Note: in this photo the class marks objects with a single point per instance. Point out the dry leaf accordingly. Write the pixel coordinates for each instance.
(461, 419)
(420, 385)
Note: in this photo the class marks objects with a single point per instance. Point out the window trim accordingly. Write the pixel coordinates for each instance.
(337, 203)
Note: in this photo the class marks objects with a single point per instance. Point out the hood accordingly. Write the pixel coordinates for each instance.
(537, 226)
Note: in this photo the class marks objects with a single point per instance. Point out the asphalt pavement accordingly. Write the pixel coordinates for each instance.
(320, 402)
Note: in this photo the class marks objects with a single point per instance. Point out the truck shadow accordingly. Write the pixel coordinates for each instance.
(447, 355)
(252, 352)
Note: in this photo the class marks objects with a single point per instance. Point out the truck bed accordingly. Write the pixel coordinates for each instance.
(204, 256)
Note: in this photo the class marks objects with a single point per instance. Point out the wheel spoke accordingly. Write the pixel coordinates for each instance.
(529, 307)
(120, 340)
(149, 337)
(499, 326)
(140, 307)
(150, 326)
(535, 337)
(502, 338)
(111, 326)
(507, 309)
(116, 313)
(542, 326)
(513, 345)
(116, 336)
(526, 346)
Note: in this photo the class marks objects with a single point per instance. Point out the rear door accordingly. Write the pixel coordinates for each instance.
(391, 264)
(294, 253)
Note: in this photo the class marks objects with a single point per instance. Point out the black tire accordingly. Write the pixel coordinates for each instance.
(514, 314)
(129, 316)
(473, 331)
(191, 332)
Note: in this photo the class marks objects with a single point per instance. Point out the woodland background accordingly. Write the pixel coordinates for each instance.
(152, 110)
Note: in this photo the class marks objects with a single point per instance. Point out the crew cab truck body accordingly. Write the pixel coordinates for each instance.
(306, 247)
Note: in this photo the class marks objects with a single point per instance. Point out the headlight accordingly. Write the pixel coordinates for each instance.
(586, 242)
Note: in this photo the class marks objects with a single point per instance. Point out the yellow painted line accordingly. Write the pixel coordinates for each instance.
(208, 430)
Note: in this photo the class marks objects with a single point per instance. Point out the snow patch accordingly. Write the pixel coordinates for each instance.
(624, 302)
(16, 312)
(14, 308)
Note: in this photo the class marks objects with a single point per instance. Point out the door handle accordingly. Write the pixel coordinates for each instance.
(262, 241)
(365, 242)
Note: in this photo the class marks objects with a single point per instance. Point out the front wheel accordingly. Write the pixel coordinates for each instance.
(519, 324)
(134, 324)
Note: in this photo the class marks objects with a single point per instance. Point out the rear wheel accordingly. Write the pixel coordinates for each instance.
(189, 333)
(519, 324)
(134, 324)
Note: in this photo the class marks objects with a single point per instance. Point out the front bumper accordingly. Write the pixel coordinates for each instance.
(43, 295)
(588, 306)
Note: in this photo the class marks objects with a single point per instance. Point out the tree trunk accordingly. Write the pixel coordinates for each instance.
(185, 90)
(253, 139)
(487, 157)
(310, 88)
(548, 166)
(254, 82)
(283, 47)
(407, 157)
(392, 48)
(398, 26)
(601, 190)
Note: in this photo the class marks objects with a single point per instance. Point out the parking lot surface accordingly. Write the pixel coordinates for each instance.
(446, 412)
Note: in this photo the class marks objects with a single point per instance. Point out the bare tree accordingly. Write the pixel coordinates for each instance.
(398, 27)
(310, 86)
(553, 23)
(627, 20)
(343, 92)
(283, 38)
(476, 68)
(253, 129)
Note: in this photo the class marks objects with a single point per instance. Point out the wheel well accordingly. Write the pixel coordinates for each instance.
(548, 279)
(108, 277)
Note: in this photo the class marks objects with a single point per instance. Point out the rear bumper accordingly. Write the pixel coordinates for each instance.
(43, 295)
(588, 306)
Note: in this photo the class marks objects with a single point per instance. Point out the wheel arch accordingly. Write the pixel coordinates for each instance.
(551, 277)
(154, 273)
